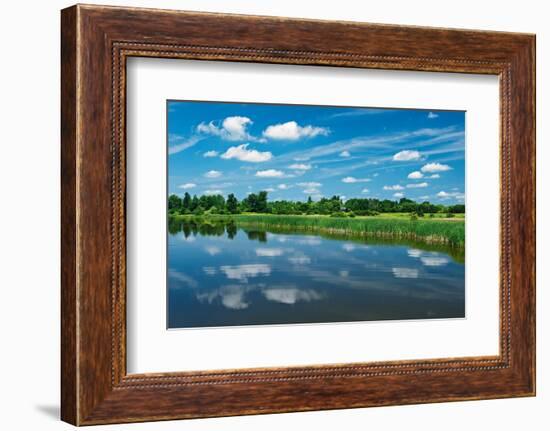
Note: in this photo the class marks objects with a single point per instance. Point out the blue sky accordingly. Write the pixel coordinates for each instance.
(296, 151)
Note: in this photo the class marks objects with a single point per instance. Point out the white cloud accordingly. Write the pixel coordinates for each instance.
(212, 250)
(290, 296)
(243, 154)
(243, 272)
(398, 195)
(414, 252)
(365, 191)
(231, 129)
(394, 187)
(270, 173)
(269, 189)
(283, 186)
(345, 153)
(351, 180)
(187, 186)
(232, 297)
(209, 270)
(417, 185)
(299, 260)
(180, 144)
(211, 192)
(348, 247)
(435, 167)
(310, 184)
(447, 195)
(406, 155)
(269, 252)
(434, 261)
(434, 176)
(300, 166)
(312, 191)
(425, 197)
(416, 175)
(210, 153)
(213, 174)
(432, 115)
(405, 272)
(292, 131)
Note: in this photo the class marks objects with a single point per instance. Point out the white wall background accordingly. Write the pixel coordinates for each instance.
(29, 216)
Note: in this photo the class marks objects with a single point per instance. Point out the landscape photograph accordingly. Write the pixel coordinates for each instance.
(300, 214)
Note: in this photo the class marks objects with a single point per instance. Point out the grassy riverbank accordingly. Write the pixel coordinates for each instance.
(449, 232)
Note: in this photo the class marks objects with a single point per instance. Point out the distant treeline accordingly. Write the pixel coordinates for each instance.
(258, 203)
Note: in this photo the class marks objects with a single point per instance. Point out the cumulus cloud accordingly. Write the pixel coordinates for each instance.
(232, 296)
(213, 250)
(269, 252)
(290, 296)
(365, 191)
(283, 186)
(406, 156)
(243, 154)
(292, 131)
(435, 167)
(416, 175)
(231, 128)
(210, 153)
(187, 186)
(394, 187)
(351, 180)
(434, 176)
(432, 115)
(414, 252)
(244, 272)
(398, 195)
(434, 261)
(417, 185)
(270, 173)
(345, 153)
(300, 166)
(405, 272)
(213, 174)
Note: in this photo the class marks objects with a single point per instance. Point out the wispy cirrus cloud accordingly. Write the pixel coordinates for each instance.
(177, 143)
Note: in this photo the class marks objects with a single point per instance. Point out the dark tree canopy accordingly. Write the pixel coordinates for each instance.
(259, 203)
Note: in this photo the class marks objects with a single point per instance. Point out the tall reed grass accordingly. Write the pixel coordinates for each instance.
(451, 233)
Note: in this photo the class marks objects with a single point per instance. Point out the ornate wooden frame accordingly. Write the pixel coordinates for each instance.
(95, 42)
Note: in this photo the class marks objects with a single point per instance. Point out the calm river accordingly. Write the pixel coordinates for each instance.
(227, 276)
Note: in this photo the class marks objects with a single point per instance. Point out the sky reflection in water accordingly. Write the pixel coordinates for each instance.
(227, 276)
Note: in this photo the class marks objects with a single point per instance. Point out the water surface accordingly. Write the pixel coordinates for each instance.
(222, 275)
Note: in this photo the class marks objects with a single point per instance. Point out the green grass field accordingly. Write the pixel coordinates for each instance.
(437, 230)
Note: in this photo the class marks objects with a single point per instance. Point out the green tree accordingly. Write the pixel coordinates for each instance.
(232, 204)
(186, 203)
(174, 203)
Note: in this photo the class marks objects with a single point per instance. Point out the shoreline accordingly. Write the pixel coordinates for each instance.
(429, 231)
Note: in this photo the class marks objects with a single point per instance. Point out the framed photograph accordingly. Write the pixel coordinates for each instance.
(266, 215)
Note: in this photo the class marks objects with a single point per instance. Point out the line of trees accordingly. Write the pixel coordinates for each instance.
(258, 203)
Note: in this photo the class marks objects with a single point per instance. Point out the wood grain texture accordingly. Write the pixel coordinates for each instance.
(96, 41)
